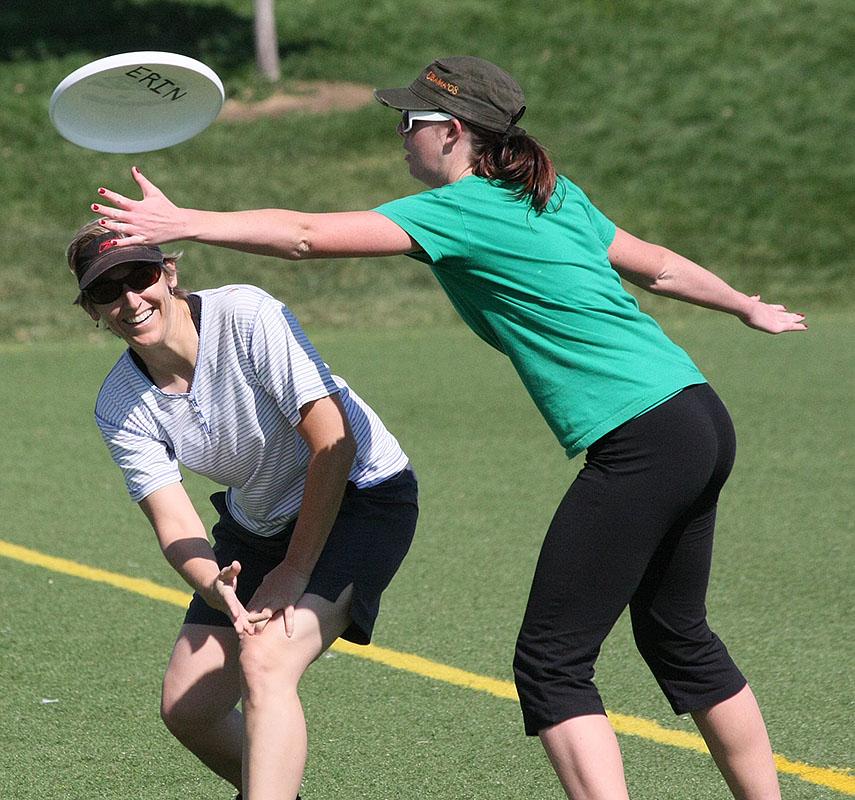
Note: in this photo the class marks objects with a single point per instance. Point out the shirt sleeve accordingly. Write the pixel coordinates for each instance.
(603, 226)
(285, 362)
(434, 220)
(146, 462)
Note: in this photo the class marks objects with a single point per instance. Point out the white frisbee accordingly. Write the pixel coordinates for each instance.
(136, 102)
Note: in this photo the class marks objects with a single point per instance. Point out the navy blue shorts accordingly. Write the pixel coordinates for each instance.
(634, 529)
(366, 545)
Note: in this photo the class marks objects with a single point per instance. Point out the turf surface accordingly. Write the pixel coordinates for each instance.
(491, 476)
(722, 130)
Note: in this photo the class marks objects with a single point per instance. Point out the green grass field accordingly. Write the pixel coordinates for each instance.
(723, 130)
(490, 476)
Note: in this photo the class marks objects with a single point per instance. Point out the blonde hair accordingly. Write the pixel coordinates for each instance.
(92, 230)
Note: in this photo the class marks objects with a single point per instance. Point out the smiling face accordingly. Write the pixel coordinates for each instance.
(145, 317)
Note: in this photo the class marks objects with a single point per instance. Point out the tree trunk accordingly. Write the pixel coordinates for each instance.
(266, 40)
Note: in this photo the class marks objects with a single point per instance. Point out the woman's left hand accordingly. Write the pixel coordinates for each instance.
(280, 591)
(771, 318)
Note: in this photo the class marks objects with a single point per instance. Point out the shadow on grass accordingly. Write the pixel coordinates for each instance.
(55, 28)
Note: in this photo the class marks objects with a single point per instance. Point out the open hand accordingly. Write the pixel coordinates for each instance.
(152, 220)
(772, 318)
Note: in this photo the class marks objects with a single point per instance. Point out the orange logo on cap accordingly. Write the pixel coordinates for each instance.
(443, 84)
(106, 245)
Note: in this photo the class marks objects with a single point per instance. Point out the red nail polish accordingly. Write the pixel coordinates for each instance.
(102, 221)
(102, 191)
(95, 207)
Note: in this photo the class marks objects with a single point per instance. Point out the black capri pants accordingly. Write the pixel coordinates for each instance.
(635, 528)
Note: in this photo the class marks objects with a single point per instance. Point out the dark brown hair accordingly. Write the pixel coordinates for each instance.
(516, 161)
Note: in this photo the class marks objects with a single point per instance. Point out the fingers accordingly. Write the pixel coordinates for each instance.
(118, 200)
(148, 188)
(238, 614)
(227, 577)
(227, 586)
(239, 620)
(756, 299)
(258, 626)
(153, 220)
(257, 621)
(229, 573)
(116, 217)
(790, 321)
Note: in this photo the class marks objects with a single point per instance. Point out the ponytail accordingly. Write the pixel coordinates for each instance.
(517, 161)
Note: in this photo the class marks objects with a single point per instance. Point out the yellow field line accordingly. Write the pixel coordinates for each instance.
(829, 777)
(63, 565)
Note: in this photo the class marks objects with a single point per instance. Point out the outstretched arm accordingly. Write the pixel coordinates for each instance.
(285, 234)
(184, 542)
(661, 271)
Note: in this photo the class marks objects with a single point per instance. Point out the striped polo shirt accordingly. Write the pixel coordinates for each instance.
(255, 369)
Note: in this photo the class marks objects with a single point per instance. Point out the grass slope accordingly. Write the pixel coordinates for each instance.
(722, 130)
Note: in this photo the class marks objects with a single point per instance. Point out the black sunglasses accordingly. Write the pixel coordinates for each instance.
(143, 276)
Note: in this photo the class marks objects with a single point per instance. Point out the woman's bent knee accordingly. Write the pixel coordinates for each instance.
(271, 662)
(182, 716)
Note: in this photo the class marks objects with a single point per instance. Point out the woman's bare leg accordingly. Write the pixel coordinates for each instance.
(272, 665)
(200, 691)
(736, 736)
(585, 755)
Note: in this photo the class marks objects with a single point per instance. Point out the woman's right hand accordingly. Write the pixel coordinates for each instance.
(225, 598)
(153, 220)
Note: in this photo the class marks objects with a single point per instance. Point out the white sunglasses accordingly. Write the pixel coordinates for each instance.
(409, 117)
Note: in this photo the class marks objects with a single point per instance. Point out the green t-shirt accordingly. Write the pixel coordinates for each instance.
(540, 289)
